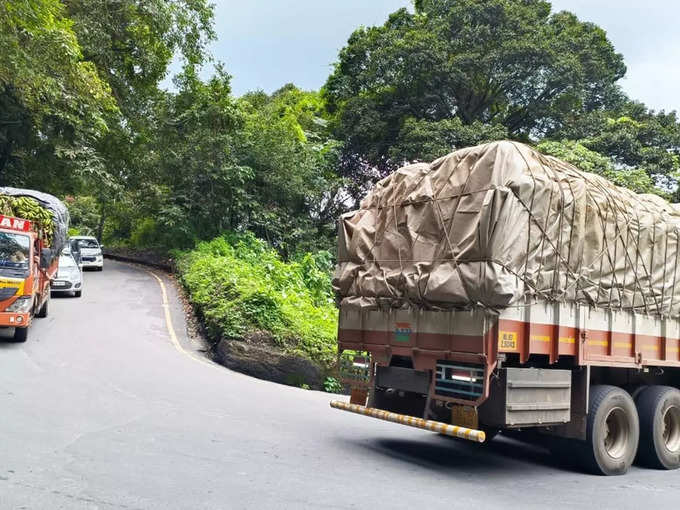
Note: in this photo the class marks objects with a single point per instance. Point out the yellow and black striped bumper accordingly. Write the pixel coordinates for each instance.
(435, 426)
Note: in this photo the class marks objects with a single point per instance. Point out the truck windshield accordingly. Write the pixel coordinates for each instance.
(14, 254)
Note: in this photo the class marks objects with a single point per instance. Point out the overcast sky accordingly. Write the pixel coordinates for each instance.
(267, 43)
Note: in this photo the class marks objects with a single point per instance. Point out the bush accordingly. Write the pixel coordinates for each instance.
(241, 287)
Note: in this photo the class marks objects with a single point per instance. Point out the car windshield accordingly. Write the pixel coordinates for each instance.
(66, 261)
(14, 254)
(88, 243)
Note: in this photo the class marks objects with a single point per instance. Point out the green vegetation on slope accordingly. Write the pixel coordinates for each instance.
(242, 289)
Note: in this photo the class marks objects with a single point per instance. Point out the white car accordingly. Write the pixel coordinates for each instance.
(69, 277)
(90, 252)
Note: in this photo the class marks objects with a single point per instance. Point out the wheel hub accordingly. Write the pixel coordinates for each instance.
(616, 433)
(671, 429)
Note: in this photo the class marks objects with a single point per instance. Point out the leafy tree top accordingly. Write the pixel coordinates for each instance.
(506, 62)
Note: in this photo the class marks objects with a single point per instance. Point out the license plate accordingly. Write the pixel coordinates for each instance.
(58, 284)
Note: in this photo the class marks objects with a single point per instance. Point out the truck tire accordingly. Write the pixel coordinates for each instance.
(20, 334)
(613, 431)
(43, 312)
(659, 410)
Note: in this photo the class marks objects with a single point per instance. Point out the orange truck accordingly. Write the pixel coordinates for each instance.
(497, 289)
(28, 263)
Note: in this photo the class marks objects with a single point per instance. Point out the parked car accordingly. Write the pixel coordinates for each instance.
(69, 276)
(90, 252)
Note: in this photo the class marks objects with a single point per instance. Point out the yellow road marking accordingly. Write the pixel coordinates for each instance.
(171, 328)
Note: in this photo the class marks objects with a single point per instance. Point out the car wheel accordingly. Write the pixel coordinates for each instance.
(78, 293)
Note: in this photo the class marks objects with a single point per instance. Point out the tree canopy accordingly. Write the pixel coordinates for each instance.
(83, 114)
(53, 103)
(473, 69)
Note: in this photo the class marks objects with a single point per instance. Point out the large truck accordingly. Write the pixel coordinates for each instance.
(29, 255)
(497, 289)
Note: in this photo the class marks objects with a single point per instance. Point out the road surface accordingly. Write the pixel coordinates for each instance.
(103, 409)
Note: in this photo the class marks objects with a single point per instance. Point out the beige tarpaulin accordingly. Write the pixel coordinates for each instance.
(499, 224)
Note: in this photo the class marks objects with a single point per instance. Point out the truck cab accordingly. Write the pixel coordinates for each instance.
(26, 267)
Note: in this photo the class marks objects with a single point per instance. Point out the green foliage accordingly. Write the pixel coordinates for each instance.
(633, 137)
(508, 63)
(590, 161)
(423, 140)
(85, 215)
(294, 194)
(332, 385)
(132, 43)
(53, 104)
(241, 287)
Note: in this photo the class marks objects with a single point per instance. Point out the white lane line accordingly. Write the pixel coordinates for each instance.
(171, 328)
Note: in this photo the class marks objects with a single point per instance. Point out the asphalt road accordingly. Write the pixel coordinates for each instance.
(102, 409)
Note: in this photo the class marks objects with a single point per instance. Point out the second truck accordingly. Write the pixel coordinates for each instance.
(33, 229)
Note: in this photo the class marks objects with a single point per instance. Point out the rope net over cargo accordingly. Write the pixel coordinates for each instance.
(499, 225)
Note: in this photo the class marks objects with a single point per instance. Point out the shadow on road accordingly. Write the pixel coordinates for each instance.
(503, 455)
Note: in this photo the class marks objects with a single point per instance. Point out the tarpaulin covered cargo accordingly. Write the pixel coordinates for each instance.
(56, 207)
(501, 224)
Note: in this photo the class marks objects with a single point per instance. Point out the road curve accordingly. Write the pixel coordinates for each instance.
(100, 409)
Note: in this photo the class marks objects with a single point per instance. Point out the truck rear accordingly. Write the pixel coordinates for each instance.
(499, 289)
(29, 253)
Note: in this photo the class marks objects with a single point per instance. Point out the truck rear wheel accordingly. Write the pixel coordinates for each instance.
(613, 431)
(20, 334)
(659, 410)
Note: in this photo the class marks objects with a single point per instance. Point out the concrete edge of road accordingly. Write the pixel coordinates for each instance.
(136, 260)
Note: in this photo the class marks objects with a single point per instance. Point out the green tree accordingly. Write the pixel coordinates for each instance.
(296, 193)
(132, 43)
(53, 105)
(196, 187)
(632, 137)
(580, 156)
(508, 63)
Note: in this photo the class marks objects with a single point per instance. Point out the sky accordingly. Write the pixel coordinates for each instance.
(268, 43)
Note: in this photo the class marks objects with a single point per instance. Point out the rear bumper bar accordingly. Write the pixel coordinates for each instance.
(435, 426)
